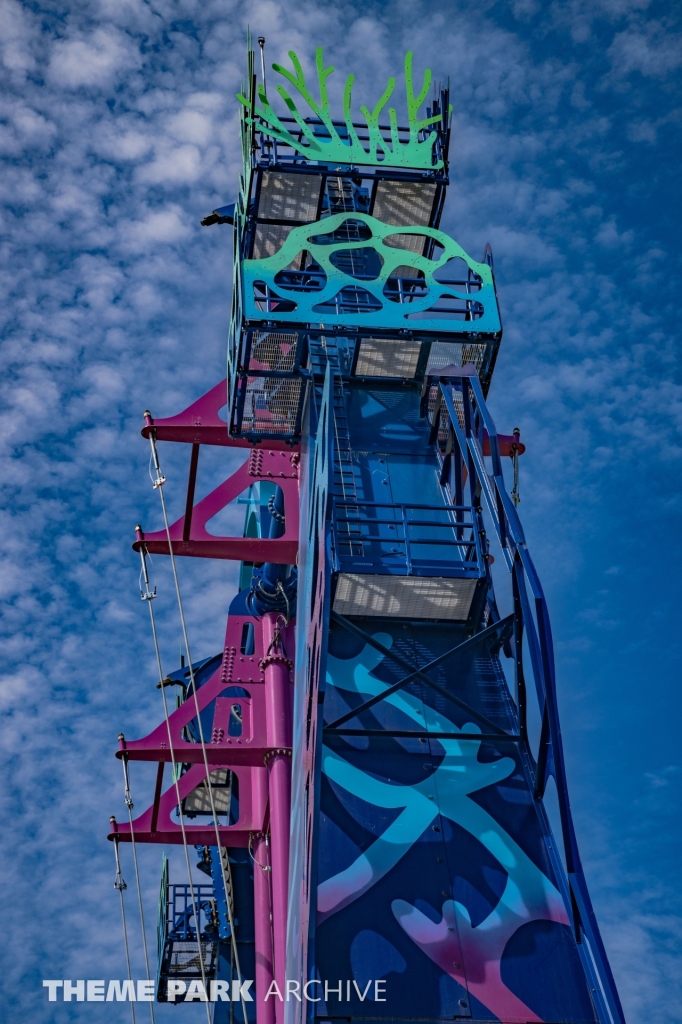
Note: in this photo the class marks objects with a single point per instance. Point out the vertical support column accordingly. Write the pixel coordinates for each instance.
(265, 1009)
(276, 667)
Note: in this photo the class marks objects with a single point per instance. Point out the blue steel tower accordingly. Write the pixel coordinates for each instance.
(372, 823)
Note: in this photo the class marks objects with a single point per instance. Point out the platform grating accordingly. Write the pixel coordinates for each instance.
(405, 597)
(199, 801)
(455, 353)
(294, 197)
(184, 960)
(388, 357)
(404, 203)
(273, 350)
(272, 404)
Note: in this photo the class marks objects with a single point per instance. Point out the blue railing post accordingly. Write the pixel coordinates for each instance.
(550, 760)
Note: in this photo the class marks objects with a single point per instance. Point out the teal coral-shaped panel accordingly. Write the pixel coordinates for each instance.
(355, 271)
(323, 139)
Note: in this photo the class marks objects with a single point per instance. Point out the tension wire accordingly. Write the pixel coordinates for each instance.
(148, 595)
(129, 804)
(515, 495)
(225, 869)
(119, 883)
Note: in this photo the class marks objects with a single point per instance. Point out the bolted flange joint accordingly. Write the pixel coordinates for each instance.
(271, 659)
(285, 751)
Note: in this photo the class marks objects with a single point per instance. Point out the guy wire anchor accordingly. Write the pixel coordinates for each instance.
(119, 882)
(261, 43)
(160, 478)
(147, 594)
(515, 496)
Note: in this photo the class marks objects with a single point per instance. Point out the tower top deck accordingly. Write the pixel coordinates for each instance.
(311, 140)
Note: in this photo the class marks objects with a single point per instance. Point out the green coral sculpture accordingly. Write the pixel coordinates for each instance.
(414, 153)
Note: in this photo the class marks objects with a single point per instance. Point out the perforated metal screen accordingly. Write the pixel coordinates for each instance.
(184, 959)
(405, 597)
(404, 203)
(273, 350)
(272, 404)
(411, 243)
(269, 239)
(199, 802)
(388, 357)
(289, 196)
(455, 353)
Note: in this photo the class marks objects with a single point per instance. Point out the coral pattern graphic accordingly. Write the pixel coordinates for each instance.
(470, 954)
(346, 146)
(313, 293)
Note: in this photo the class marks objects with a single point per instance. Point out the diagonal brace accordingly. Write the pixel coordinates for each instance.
(420, 673)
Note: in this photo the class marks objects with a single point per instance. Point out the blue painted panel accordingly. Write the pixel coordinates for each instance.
(433, 867)
(386, 421)
(241, 867)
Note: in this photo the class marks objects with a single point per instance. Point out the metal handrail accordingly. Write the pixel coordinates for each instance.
(465, 450)
(180, 924)
(471, 560)
(396, 504)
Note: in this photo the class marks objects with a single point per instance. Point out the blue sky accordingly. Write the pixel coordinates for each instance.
(119, 132)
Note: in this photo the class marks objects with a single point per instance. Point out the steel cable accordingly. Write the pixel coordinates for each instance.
(129, 804)
(120, 884)
(149, 596)
(224, 862)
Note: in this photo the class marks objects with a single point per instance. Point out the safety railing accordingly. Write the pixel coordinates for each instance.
(180, 922)
(459, 421)
(406, 540)
(188, 949)
(268, 150)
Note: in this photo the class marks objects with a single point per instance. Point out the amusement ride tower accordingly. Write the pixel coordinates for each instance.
(361, 770)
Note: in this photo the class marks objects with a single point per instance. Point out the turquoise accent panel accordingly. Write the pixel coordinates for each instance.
(345, 147)
(470, 952)
(388, 314)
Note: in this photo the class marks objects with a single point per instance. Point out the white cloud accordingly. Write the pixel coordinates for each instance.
(609, 237)
(17, 36)
(96, 60)
(167, 225)
(651, 49)
(172, 165)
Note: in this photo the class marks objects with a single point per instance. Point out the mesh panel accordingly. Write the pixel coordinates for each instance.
(405, 597)
(454, 353)
(299, 262)
(199, 801)
(273, 350)
(458, 403)
(403, 203)
(289, 196)
(269, 239)
(388, 357)
(184, 959)
(272, 404)
(412, 243)
(402, 270)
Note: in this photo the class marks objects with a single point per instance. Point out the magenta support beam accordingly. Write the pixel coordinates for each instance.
(265, 1009)
(201, 423)
(195, 540)
(253, 795)
(278, 719)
